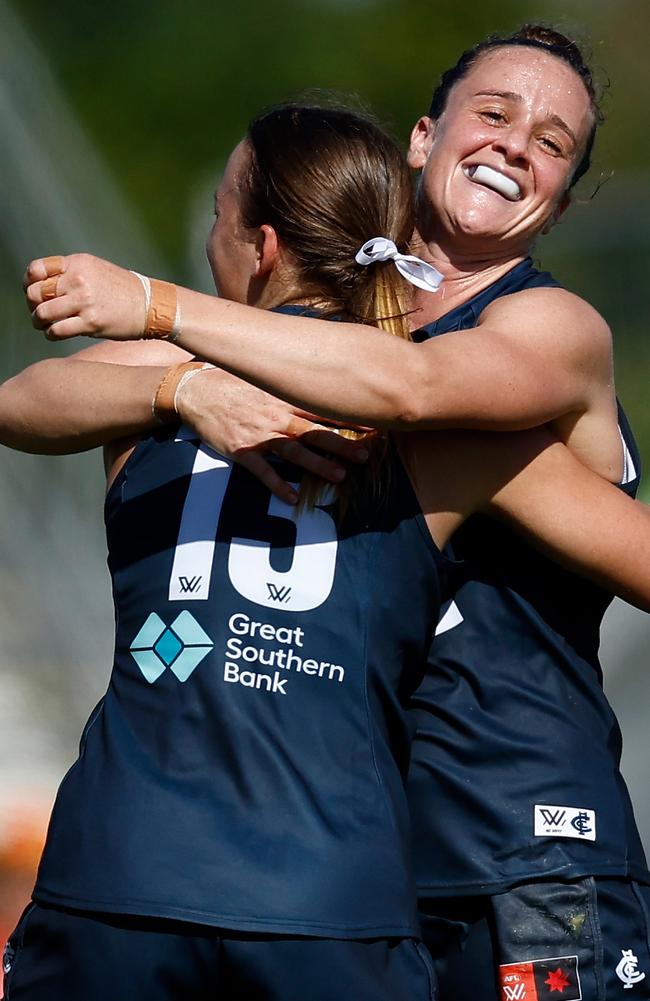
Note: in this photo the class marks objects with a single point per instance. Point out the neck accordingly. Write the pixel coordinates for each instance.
(281, 288)
(466, 273)
(310, 302)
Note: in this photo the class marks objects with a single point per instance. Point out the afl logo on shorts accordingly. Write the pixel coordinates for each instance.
(541, 980)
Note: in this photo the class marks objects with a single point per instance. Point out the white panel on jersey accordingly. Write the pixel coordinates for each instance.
(192, 566)
(207, 460)
(308, 581)
(629, 469)
(191, 572)
(449, 619)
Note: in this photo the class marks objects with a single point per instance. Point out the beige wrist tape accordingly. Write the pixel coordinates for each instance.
(163, 405)
(163, 312)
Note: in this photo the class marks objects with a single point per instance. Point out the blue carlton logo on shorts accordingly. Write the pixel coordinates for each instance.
(180, 647)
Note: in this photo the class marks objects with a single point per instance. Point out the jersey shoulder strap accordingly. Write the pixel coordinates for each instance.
(523, 276)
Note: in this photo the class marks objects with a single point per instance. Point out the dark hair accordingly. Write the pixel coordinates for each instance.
(328, 179)
(537, 36)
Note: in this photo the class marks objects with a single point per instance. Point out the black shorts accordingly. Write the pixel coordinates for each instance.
(586, 940)
(60, 955)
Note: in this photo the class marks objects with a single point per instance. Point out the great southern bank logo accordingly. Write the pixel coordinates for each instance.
(180, 647)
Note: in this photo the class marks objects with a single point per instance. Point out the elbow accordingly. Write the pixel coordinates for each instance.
(409, 402)
(396, 388)
(10, 422)
(410, 416)
(21, 403)
(396, 410)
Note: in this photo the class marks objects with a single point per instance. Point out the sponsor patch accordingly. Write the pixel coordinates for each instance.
(555, 979)
(565, 822)
(180, 647)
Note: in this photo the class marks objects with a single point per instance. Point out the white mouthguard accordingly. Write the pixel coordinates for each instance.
(491, 178)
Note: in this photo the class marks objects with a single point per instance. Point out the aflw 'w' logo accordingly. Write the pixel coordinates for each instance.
(554, 818)
(279, 594)
(189, 585)
(516, 992)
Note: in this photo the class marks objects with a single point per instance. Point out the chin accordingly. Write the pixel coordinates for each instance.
(478, 230)
(483, 221)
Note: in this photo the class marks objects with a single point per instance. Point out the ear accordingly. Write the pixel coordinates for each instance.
(562, 206)
(267, 250)
(421, 139)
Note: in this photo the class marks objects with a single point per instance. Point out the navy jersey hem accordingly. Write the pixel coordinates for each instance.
(568, 872)
(149, 909)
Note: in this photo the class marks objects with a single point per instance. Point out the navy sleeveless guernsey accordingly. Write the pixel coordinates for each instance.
(246, 768)
(515, 772)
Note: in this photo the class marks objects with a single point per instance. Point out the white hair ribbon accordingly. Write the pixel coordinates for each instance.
(414, 269)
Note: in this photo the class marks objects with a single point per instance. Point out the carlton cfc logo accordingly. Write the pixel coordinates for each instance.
(627, 971)
(582, 824)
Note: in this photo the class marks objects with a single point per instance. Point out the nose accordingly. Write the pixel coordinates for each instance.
(513, 142)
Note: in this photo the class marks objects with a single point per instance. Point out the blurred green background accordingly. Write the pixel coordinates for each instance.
(117, 120)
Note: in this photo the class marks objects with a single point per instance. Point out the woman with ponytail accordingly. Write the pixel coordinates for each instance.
(236, 825)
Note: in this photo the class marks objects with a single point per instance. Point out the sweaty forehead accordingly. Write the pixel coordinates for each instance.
(541, 80)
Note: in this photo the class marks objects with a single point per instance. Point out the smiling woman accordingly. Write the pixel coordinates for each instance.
(547, 41)
(500, 130)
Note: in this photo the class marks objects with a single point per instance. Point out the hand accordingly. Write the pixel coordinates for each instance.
(84, 295)
(243, 423)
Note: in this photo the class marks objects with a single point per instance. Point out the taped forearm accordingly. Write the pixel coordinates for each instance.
(359, 374)
(346, 371)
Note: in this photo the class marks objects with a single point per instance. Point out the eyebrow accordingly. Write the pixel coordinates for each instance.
(511, 95)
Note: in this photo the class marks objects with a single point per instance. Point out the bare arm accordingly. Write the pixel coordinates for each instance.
(533, 482)
(59, 405)
(105, 392)
(581, 521)
(517, 369)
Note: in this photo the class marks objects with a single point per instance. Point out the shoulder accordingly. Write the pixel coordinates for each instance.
(554, 317)
(536, 307)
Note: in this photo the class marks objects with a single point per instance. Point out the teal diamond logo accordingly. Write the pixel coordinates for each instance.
(168, 647)
(180, 646)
